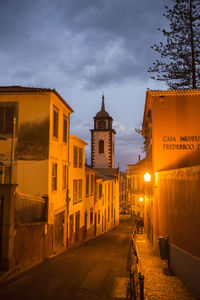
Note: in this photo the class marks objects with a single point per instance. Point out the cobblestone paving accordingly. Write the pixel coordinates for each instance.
(156, 284)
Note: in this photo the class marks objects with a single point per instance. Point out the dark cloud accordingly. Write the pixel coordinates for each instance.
(81, 48)
(96, 43)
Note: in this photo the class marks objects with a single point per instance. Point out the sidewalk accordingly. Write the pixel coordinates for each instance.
(157, 285)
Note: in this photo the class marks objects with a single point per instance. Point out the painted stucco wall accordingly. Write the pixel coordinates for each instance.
(101, 160)
(175, 131)
(36, 149)
(178, 208)
(88, 203)
(32, 177)
(59, 154)
(76, 173)
(30, 168)
(176, 211)
(32, 110)
(113, 150)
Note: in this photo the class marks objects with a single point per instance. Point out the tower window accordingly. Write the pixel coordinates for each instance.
(101, 146)
(102, 124)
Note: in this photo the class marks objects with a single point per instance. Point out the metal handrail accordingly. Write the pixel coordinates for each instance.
(136, 278)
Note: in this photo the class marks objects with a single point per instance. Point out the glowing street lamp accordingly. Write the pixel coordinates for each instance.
(141, 199)
(147, 177)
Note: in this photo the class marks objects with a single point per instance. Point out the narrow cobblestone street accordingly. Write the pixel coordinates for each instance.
(96, 269)
(157, 285)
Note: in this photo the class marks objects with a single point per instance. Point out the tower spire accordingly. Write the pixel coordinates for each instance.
(103, 104)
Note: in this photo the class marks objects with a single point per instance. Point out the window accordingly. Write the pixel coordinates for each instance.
(109, 193)
(101, 146)
(80, 158)
(7, 113)
(5, 174)
(96, 192)
(102, 125)
(75, 157)
(64, 176)
(55, 122)
(64, 129)
(80, 190)
(112, 210)
(54, 177)
(1, 174)
(112, 192)
(99, 216)
(7, 178)
(91, 216)
(75, 191)
(100, 190)
(92, 185)
(87, 185)
(129, 183)
(71, 227)
(108, 213)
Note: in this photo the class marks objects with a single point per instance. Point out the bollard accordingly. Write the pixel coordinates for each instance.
(141, 282)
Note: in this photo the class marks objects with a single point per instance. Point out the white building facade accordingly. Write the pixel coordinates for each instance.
(103, 140)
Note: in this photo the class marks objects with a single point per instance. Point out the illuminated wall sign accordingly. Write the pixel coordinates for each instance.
(175, 131)
(180, 142)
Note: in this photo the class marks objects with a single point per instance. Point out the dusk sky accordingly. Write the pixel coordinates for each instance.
(83, 49)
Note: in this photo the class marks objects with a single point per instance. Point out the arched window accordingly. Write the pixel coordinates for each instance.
(101, 146)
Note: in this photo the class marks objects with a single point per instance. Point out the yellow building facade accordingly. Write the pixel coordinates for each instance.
(77, 182)
(34, 150)
(59, 201)
(135, 188)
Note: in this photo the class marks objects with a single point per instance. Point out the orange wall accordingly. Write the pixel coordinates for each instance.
(178, 208)
(173, 118)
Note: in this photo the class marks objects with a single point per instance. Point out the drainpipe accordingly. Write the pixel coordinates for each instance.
(67, 193)
(13, 151)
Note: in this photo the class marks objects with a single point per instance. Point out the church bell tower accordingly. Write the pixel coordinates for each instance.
(103, 140)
